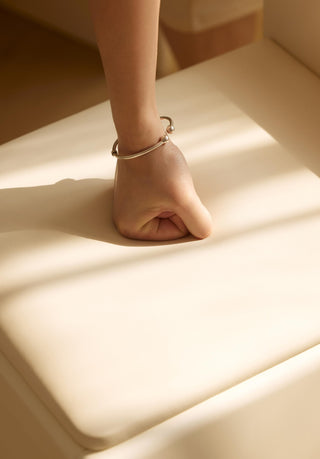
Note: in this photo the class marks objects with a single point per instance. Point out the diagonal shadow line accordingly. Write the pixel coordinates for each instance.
(206, 435)
(213, 241)
(78, 207)
(221, 174)
(84, 133)
(289, 113)
(83, 207)
(288, 108)
(49, 143)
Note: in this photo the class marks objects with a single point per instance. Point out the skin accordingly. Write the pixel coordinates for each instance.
(154, 195)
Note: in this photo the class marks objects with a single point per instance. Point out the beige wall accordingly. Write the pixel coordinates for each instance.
(73, 18)
(295, 25)
(69, 16)
(288, 22)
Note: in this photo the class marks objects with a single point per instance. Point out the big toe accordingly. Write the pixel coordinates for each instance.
(166, 226)
(197, 218)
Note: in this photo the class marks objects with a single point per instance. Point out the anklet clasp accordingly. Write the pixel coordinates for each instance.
(164, 139)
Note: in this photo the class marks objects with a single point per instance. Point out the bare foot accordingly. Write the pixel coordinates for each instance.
(155, 199)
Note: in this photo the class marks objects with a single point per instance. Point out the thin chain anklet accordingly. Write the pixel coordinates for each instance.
(164, 139)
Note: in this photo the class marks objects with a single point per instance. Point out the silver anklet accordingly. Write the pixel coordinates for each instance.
(164, 139)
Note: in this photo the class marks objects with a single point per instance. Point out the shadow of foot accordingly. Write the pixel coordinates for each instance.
(79, 207)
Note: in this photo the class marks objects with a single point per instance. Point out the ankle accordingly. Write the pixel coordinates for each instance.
(140, 134)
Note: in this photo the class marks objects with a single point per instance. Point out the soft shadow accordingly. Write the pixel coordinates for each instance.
(276, 92)
(75, 136)
(208, 436)
(78, 207)
(144, 257)
(221, 174)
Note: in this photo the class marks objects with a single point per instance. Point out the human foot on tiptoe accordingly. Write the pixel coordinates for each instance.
(154, 197)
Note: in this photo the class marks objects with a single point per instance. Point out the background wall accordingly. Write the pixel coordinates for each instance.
(69, 16)
(296, 28)
(50, 65)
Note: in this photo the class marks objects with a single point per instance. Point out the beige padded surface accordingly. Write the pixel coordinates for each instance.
(115, 335)
(259, 415)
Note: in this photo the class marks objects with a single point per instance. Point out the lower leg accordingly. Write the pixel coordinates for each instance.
(154, 196)
(127, 35)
